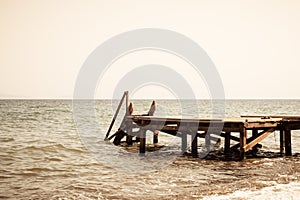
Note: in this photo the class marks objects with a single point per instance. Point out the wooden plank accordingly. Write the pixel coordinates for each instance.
(257, 139)
(115, 115)
(152, 108)
(272, 116)
(232, 137)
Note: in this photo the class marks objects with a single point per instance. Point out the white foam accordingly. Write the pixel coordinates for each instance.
(278, 191)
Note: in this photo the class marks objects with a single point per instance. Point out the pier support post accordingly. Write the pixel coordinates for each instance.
(142, 142)
(227, 142)
(194, 144)
(281, 138)
(129, 135)
(183, 142)
(254, 132)
(207, 141)
(243, 142)
(155, 137)
(129, 139)
(287, 140)
(254, 135)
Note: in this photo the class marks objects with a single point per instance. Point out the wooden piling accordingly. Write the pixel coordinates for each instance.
(243, 141)
(143, 142)
(207, 141)
(254, 134)
(287, 140)
(194, 139)
(183, 142)
(227, 142)
(155, 137)
(281, 140)
(129, 139)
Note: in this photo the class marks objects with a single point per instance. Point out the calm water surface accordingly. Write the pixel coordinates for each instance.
(43, 157)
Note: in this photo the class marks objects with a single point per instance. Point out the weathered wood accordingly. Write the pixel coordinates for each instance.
(234, 138)
(127, 102)
(152, 108)
(243, 141)
(254, 132)
(129, 139)
(281, 135)
(257, 139)
(194, 145)
(227, 142)
(207, 141)
(116, 114)
(287, 140)
(125, 126)
(183, 142)
(181, 127)
(155, 137)
(142, 142)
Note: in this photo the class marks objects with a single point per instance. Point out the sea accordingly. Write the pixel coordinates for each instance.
(55, 149)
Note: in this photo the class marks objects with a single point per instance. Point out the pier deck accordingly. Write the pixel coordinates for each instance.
(246, 131)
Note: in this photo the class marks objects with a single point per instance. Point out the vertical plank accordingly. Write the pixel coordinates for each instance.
(142, 142)
(227, 142)
(281, 140)
(194, 139)
(243, 142)
(183, 142)
(287, 140)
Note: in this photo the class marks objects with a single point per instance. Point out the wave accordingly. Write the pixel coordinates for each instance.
(7, 139)
(277, 191)
(52, 148)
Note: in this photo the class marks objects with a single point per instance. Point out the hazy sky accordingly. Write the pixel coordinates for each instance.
(255, 45)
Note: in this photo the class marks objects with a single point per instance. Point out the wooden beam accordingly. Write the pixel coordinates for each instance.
(257, 139)
(234, 138)
(115, 115)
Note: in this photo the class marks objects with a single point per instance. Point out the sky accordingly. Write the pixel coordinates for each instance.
(254, 45)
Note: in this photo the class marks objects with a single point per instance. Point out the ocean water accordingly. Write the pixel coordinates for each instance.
(51, 150)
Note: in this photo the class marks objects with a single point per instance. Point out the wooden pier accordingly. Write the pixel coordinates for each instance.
(246, 132)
